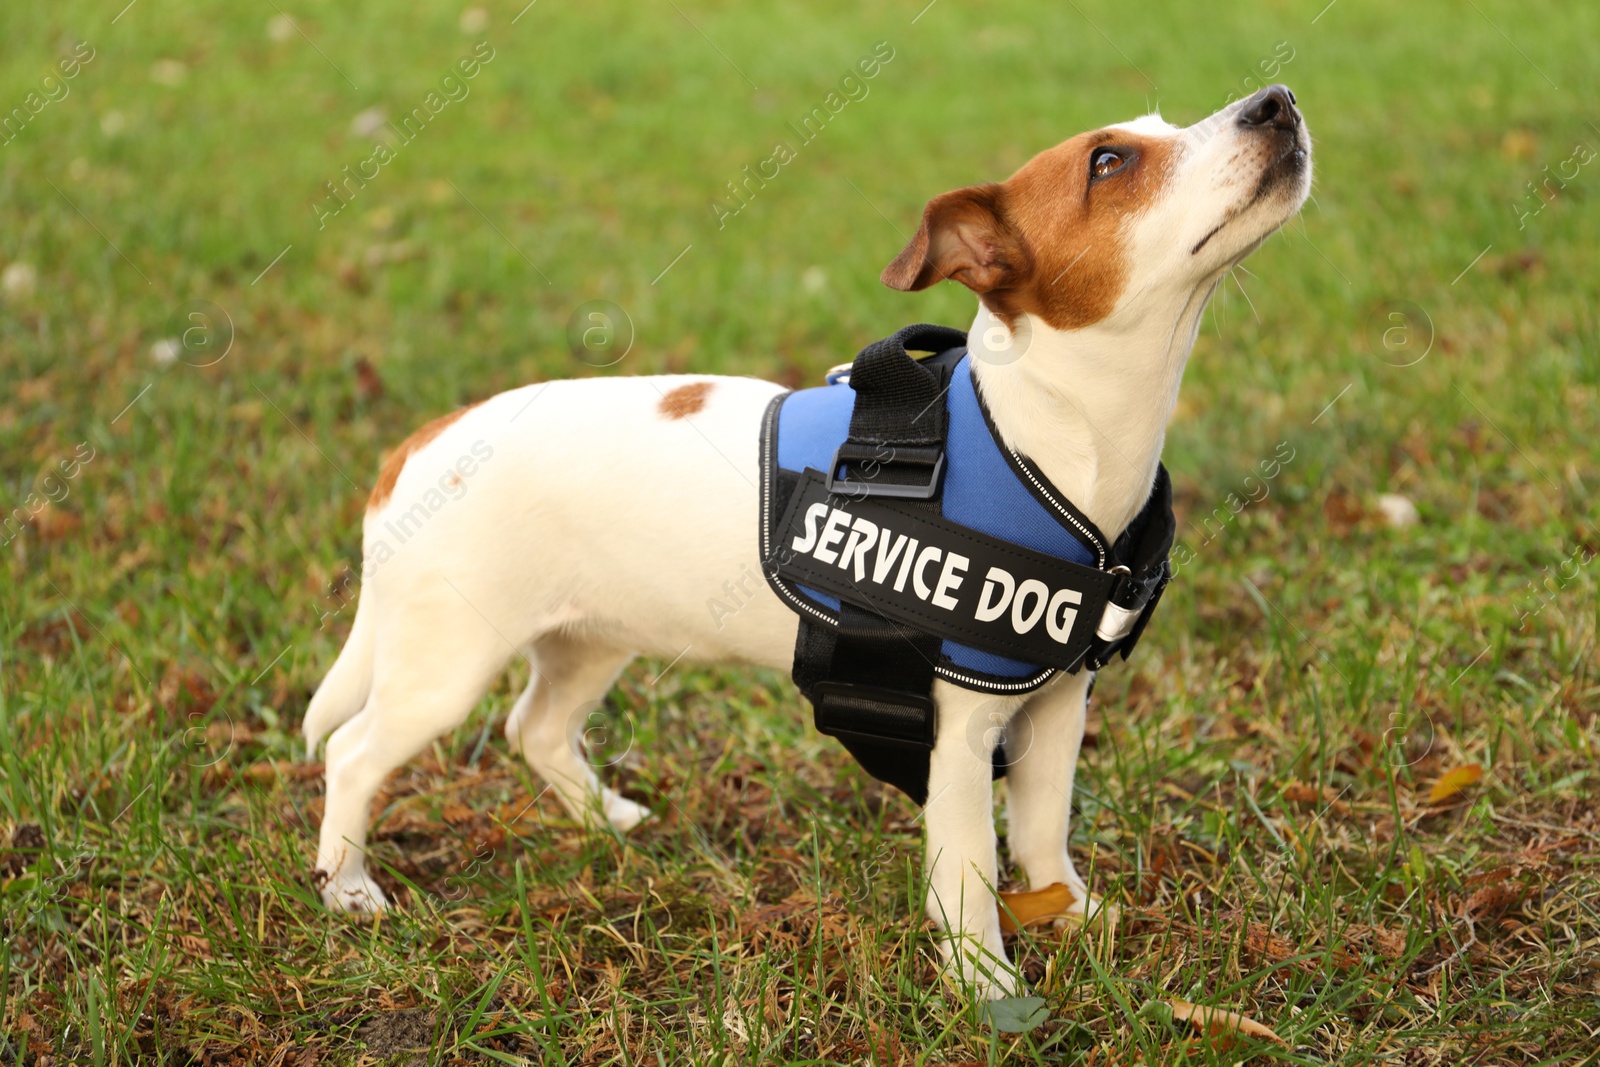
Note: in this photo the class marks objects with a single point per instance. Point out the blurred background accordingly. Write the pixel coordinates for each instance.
(246, 248)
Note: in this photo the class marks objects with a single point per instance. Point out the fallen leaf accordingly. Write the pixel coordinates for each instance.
(1018, 910)
(1300, 793)
(885, 1043)
(1382, 940)
(486, 842)
(1016, 1015)
(1264, 942)
(265, 772)
(1217, 1022)
(369, 385)
(195, 947)
(1453, 782)
(1343, 510)
(1307, 796)
(261, 773)
(54, 524)
(1493, 899)
(1519, 143)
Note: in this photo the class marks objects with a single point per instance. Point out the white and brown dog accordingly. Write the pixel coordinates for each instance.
(582, 523)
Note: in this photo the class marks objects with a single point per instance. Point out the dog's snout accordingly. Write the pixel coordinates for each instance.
(1272, 106)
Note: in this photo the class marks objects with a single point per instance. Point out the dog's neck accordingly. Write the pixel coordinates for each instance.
(1088, 407)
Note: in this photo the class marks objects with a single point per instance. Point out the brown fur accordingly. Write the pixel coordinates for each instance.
(1075, 269)
(685, 400)
(395, 461)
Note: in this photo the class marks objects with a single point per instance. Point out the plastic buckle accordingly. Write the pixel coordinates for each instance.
(874, 713)
(931, 458)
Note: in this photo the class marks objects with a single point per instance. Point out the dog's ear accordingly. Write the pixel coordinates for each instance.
(965, 235)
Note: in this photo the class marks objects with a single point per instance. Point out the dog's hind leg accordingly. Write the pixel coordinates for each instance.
(344, 691)
(427, 675)
(554, 717)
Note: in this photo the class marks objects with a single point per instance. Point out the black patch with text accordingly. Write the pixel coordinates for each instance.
(938, 576)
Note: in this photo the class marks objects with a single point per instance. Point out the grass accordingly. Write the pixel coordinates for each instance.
(1256, 788)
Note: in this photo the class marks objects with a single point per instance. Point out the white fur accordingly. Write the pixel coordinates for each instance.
(599, 530)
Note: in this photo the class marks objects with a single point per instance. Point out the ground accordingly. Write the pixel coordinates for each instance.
(204, 353)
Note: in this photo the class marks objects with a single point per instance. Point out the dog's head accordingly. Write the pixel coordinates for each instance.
(1117, 218)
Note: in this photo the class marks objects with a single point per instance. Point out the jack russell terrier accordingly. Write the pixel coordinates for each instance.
(605, 513)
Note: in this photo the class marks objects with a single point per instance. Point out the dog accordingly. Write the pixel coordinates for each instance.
(583, 523)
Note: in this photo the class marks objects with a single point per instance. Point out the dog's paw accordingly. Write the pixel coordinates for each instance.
(1000, 984)
(346, 893)
(1089, 912)
(981, 973)
(624, 814)
(989, 979)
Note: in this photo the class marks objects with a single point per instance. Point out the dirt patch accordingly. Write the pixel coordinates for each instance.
(27, 841)
(400, 1031)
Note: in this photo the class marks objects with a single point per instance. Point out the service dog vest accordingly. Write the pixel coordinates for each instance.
(913, 543)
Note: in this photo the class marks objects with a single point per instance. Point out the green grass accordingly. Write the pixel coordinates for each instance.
(1255, 790)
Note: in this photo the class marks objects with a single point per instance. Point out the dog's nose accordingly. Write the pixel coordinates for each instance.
(1272, 106)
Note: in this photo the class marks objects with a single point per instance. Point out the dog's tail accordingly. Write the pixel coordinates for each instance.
(344, 691)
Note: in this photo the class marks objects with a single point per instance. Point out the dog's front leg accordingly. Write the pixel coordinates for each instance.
(961, 864)
(1042, 748)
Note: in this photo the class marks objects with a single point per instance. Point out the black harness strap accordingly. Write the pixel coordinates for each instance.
(869, 679)
(1140, 556)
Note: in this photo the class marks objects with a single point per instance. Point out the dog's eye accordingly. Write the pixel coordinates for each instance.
(1103, 162)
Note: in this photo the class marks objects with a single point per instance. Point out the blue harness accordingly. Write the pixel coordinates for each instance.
(912, 543)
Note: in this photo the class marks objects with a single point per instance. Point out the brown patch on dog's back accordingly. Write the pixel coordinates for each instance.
(685, 400)
(394, 462)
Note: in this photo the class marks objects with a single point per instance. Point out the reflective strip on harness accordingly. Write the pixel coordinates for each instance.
(1117, 622)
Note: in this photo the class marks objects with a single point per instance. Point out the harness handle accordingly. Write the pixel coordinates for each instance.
(898, 398)
(895, 447)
